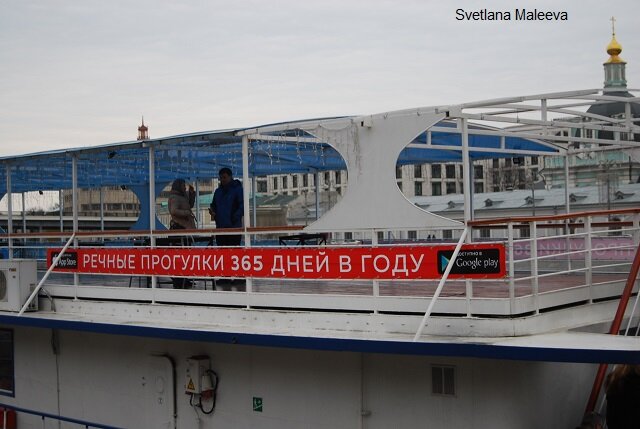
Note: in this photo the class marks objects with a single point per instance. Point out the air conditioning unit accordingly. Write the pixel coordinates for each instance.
(18, 279)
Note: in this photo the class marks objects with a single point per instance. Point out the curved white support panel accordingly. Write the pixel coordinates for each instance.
(371, 146)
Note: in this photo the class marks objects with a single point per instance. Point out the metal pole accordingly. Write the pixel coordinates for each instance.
(441, 285)
(588, 257)
(152, 211)
(198, 214)
(46, 275)
(61, 207)
(245, 194)
(245, 182)
(567, 208)
(512, 270)
(101, 210)
(74, 206)
(466, 161)
(24, 219)
(316, 179)
(534, 265)
(376, 283)
(254, 187)
(9, 212)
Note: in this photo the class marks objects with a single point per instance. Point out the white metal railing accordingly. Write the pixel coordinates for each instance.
(586, 264)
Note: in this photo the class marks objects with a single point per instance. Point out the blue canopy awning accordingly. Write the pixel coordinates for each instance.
(201, 155)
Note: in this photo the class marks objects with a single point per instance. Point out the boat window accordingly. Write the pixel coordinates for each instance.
(443, 380)
(6, 362)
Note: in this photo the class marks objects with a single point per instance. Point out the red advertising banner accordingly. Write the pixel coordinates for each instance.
(475, 261)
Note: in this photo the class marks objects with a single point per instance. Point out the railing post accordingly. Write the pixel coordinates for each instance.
(24, 224)
(511, 262)
(152, 213)
(468, 283)
(636, 228)
(74, 208)
(588, 261)
(9, 213)
(376, 283)
(246, 214)
(534, 266)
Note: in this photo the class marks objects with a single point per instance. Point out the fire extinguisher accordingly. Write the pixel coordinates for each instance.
(7, 418)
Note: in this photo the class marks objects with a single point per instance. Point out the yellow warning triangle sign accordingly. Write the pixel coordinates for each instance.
(190, 385)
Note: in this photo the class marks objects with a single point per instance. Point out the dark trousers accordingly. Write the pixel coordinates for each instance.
(179, 282)
(228, 240)
(224, 241)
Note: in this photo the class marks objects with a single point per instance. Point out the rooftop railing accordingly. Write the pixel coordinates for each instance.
(550, 262)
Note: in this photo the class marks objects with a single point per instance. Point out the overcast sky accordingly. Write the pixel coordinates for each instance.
(81, 73)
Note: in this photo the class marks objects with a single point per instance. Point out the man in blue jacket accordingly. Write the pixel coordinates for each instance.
(227, 207)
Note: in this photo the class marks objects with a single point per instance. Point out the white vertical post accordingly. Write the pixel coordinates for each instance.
(567, 208)
(24, 219)
(152, 212)
(316, 179)
(198, 214)
(512, 281)
(466, 160)
(467, 189)
(245, 194)
(9, 212)
(534, 266)
(61, 207)
(587, 256)
(254, 205)
(543, 113)
(101, 195)
(376, 283)
(74, 208)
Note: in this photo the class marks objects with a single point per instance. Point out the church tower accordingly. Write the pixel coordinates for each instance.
(143, 131)
(614, 67)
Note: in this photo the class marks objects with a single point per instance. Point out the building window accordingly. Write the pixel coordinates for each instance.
(418, 188)
(412, 235)
(478, 172)
(447, 234)
(398, 172)
(275, 183)
(338, 178)
(478, 188)
(485, 233)
(348, 235)
(534, 160)
(436, 188)
(284, 182)
(327, 177)
(380, 236)
(305, 180)
(7, 384)
(262, 185)
(436, 171)
(417, 171)
(443, 380)
(525, 232)
(294, 181)
(451, 187)
(450, 171)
